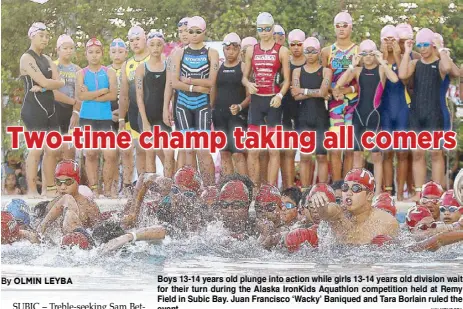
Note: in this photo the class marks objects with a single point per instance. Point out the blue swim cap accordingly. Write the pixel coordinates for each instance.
(20, 211)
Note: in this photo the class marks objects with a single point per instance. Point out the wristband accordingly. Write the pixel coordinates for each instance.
(351, 67)
(76, 112)
(134, 236)
(306, 91)
(352, 88)
(191, 88)
(240, 107)
(43, 89)
(279, 95)
(121, 119)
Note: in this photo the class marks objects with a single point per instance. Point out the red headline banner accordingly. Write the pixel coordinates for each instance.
(265, 138)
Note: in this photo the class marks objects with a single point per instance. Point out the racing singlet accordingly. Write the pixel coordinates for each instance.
(195, 64)
(266, 66)
(94, 81)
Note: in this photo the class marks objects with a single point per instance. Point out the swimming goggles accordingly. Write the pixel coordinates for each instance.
(423, 45)
(266, 29)
(356, 188)
(448, 208)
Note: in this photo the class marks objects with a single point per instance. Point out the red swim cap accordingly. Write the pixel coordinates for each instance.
(387, 205)
(234, 190)
(323, 187)
(416, 214)
(10, 228)
(361, 176)
(268, 194)
(210, 193)
(432, 188)
(76, 239)
(448, 199)
(187, 177)
(297, 237)
(68, 168)
(380, 240)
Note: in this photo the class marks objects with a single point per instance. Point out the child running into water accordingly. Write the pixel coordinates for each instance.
(371, 79)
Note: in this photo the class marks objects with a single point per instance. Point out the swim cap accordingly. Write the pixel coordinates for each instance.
(155, 36)
(265, 18)
(38, 26)
(431, 188)
(448, 199)
(296, 35)
(68, 168)
(425, 35)
(64, 38)
(248, 41)
(187, 177)
(439, 37)
(234, 190)
(197, 21)
(40, 210)
(387, 205)
(93, 42)
(404, 31)
(278, 30)
(343, 17)
(383, 196)
(380, 240)
(76, 239)
(297, 237)
(210, 193)
(322, 187)
(367, 45)
(415, 214)
(361, 176)
(388, 32)
(20, 211)
(231, 38)
(136, 31)
(86, 191)
(118, 43)
(268, 194)
(183, 22)
(312, 42)
(10, 228)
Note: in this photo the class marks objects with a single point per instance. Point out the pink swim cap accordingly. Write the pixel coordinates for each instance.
(296, 35)
(248, 41)
(136, 31)
(439, 37)
(231, 38)
(64, 38)
(388, 32)
(197, 21)
(367, 45)
(343, 17)
(312, 42)
(425, 35)
(38, 26)
(404, 31)
(279, 30)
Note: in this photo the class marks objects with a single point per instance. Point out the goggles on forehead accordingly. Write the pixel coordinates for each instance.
(231, 43)
(118, 44)
(341, 25)
(93, 42)
(181, 24)
(155, 35)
